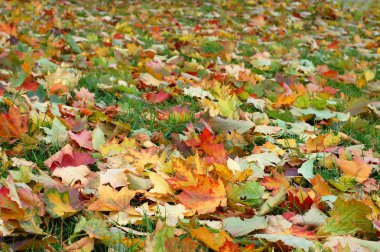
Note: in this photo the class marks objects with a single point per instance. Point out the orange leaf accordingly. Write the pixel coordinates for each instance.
(229, 246)
(320, 186)
(9, 29)
(204, 197)
(85, 244)
(112, 200)
(215, 241)
(13, 124)
(322, 142)
(276, 182)
(356, 169)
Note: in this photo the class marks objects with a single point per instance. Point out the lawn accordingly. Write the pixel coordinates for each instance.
(190, 126)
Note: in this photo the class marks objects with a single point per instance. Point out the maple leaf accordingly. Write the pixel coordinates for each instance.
(115, 177)
(85, 244)
(13, 125)
(110, 199)
(237, 227)
(249, 193)
(299, 200)
(58, 203)
(160, 184)
(158, 97)
(142, 158)
(356, 169)
(322, 142)
(212, 240)
(72, 174)
(347, 217)
(57, 134)
(85, 95)
(186, 171)
(320, 186)
(205, 196)
(68, 157)
(83, 139)
(290, 240)
(10, 208)
(275, 182)
(94, 227)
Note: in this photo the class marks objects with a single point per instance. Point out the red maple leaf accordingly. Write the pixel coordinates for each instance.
(68, 157)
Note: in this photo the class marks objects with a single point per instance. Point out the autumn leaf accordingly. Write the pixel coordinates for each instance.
(110, 199)
(275, 182)
(356, 168)
(205, 196)
(13, 124)
(58, 203)
(158, 97)
(222, 125)
(320, 185)
(212, 240)
(68, 157)
(83, 139)
(85, 244)
(347, 217)
(249, 193)
(237, 227)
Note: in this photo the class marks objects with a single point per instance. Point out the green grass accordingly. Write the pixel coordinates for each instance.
(140, 114)
(212, 47)
(365, 132)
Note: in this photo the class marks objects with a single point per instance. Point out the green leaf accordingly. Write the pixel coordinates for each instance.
(249, 193)
(73, 45)
(46, 65)
(19, 79)
(347, 217)
(302, 102)
(284, 116)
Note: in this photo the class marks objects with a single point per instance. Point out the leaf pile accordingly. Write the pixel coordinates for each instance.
(170, 126)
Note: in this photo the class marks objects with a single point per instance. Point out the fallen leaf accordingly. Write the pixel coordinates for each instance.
(356, 169)
(237, 227)
(58, 204)
(212, 240)
(68, 157)
(347, 217)
(115, 177)
(110, 199)
(13, 124)
(289, 240)
(83, 139)
(85, 244)
(205, 196)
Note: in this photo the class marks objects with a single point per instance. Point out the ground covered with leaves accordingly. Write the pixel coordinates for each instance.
(170, 126)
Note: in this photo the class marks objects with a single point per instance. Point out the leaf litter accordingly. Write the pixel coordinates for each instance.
(165, 126)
